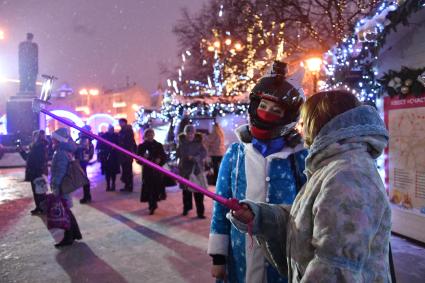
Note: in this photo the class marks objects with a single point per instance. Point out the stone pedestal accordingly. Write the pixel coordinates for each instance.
(21, 119)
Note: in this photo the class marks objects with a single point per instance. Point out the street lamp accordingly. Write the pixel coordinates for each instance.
(94, 92)
(314, 65)
(87, 92)
(238, 46)
(2, 35)
(221, 49)
(217, 46)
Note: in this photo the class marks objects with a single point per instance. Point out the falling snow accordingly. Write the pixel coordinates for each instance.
(102, 40)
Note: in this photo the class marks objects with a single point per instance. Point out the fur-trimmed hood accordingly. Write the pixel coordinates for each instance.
(361, 127)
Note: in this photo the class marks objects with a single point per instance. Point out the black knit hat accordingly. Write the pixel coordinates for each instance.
(275, 87)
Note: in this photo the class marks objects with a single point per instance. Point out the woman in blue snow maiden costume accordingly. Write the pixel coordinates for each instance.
(266, 165)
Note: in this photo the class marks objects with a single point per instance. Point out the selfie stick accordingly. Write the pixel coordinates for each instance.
(39, 106)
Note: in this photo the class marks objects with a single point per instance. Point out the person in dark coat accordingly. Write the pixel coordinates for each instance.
(126, 140)
(191, 153)
(84, 154)
(109, 158)
(152, 181)
(36, 165)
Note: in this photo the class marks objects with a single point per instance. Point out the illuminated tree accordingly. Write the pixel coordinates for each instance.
(316, 24)
(264, 28)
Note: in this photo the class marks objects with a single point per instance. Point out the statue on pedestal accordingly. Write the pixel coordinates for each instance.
(28, 64)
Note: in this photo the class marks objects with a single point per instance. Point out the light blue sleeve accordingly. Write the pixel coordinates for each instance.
(59, 169)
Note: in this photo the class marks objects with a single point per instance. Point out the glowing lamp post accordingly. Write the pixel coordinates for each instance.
(94, 92)
(87, 92)
(218, 47)
(222, 49)
(314, 65)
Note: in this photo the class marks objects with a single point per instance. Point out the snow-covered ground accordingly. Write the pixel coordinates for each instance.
(121, 241)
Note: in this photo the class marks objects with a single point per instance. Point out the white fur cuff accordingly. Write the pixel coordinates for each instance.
(218, 244)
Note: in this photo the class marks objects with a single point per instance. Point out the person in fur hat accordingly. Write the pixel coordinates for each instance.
(266, 165)
(191, 153)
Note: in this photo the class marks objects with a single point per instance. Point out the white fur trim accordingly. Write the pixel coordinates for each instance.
(285, 152)
(255, 170)
(256, 190)
(59, 137)
(255, 262)
(218, 244)
(238, 131)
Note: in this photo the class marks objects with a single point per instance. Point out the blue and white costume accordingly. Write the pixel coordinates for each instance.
(246, 174)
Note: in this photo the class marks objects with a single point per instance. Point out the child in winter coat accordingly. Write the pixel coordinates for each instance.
(338, 228)
(266, 165)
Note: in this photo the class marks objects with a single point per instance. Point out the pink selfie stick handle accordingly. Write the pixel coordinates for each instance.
(232, 204)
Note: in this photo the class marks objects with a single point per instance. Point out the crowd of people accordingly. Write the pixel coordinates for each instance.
(312, 204)
(191, 151)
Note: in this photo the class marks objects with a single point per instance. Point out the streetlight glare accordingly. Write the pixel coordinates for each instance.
(2, 35)
(238, 46)
(228, 41)
(135, 107)
(94, 92)
(314, 64)
(83, 92)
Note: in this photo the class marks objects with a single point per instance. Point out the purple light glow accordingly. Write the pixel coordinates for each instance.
(230, 203)
(70, 116)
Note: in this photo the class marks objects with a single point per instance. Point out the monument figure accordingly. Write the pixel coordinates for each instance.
(21, 120)
(28, 64)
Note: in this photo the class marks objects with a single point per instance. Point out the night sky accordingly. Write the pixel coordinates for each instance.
(95, 43)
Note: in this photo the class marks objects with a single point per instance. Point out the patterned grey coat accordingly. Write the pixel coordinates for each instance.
(338, 228)
(61, 158)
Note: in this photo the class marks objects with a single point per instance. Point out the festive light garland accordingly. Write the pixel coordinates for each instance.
(201, 107)
(352, 63)
(229, 81)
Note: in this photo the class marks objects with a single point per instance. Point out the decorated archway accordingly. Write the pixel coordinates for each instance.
(99, 122)
(52, 125)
